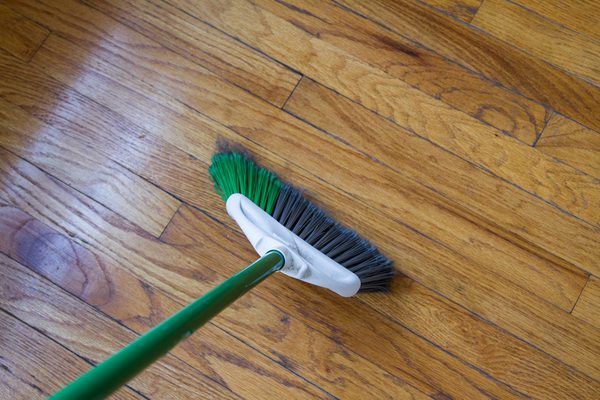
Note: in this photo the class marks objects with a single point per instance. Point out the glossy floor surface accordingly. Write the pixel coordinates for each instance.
(460, 136)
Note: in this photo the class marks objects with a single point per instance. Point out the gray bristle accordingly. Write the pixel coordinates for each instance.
(339, 243)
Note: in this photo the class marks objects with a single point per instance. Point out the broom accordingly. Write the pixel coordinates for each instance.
(291, 235)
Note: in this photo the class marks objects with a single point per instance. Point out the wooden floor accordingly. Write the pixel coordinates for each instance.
(462, 137)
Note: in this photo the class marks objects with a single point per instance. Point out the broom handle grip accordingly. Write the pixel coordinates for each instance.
(107, 377)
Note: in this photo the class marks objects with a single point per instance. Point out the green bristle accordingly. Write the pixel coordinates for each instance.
(236, 173)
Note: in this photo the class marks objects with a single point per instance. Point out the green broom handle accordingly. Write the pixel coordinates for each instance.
(117, 370)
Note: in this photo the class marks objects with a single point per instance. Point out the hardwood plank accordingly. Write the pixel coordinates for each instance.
(465, 136)
(278, 293)
(450, 281)
(469, 190)
(521, 367)
(578, 15)
(340, 361)
(91, 335)
(462, 9)
(146, 149)
(421, 258)
(206, 46)
(587, 308)
(484, 294)
(337, 368)
(422, 69)
(31, 365)
(485, 54)
(390, 52)
(81, 166)
(13, 388)
(55, 54)
(572, 143)
(550, 42)
(20, 36)
(208, 152)
(101, 283)
(197, 41)
(462, 332)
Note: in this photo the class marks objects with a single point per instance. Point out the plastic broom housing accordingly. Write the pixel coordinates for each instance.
(234, 172)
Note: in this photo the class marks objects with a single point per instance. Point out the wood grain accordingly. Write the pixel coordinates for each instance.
(100, 282)
(408, 107)
(393, 54)
(422, 69)
(462, 9)
(516, 318)
(498, 60)
(56, 54)
(81, 166)
(201, 43)
(587, 306)
(31, 365)
(236, 62)
(572, 143)
(334, 302)
(20, 36)
(147, 149)
(578, 15)
(550, 42)
(186, 277)
(429, 166)
(78, 327)
(411, 301)
(468, 160)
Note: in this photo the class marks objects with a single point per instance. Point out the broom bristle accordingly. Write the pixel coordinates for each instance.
(234, 172)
